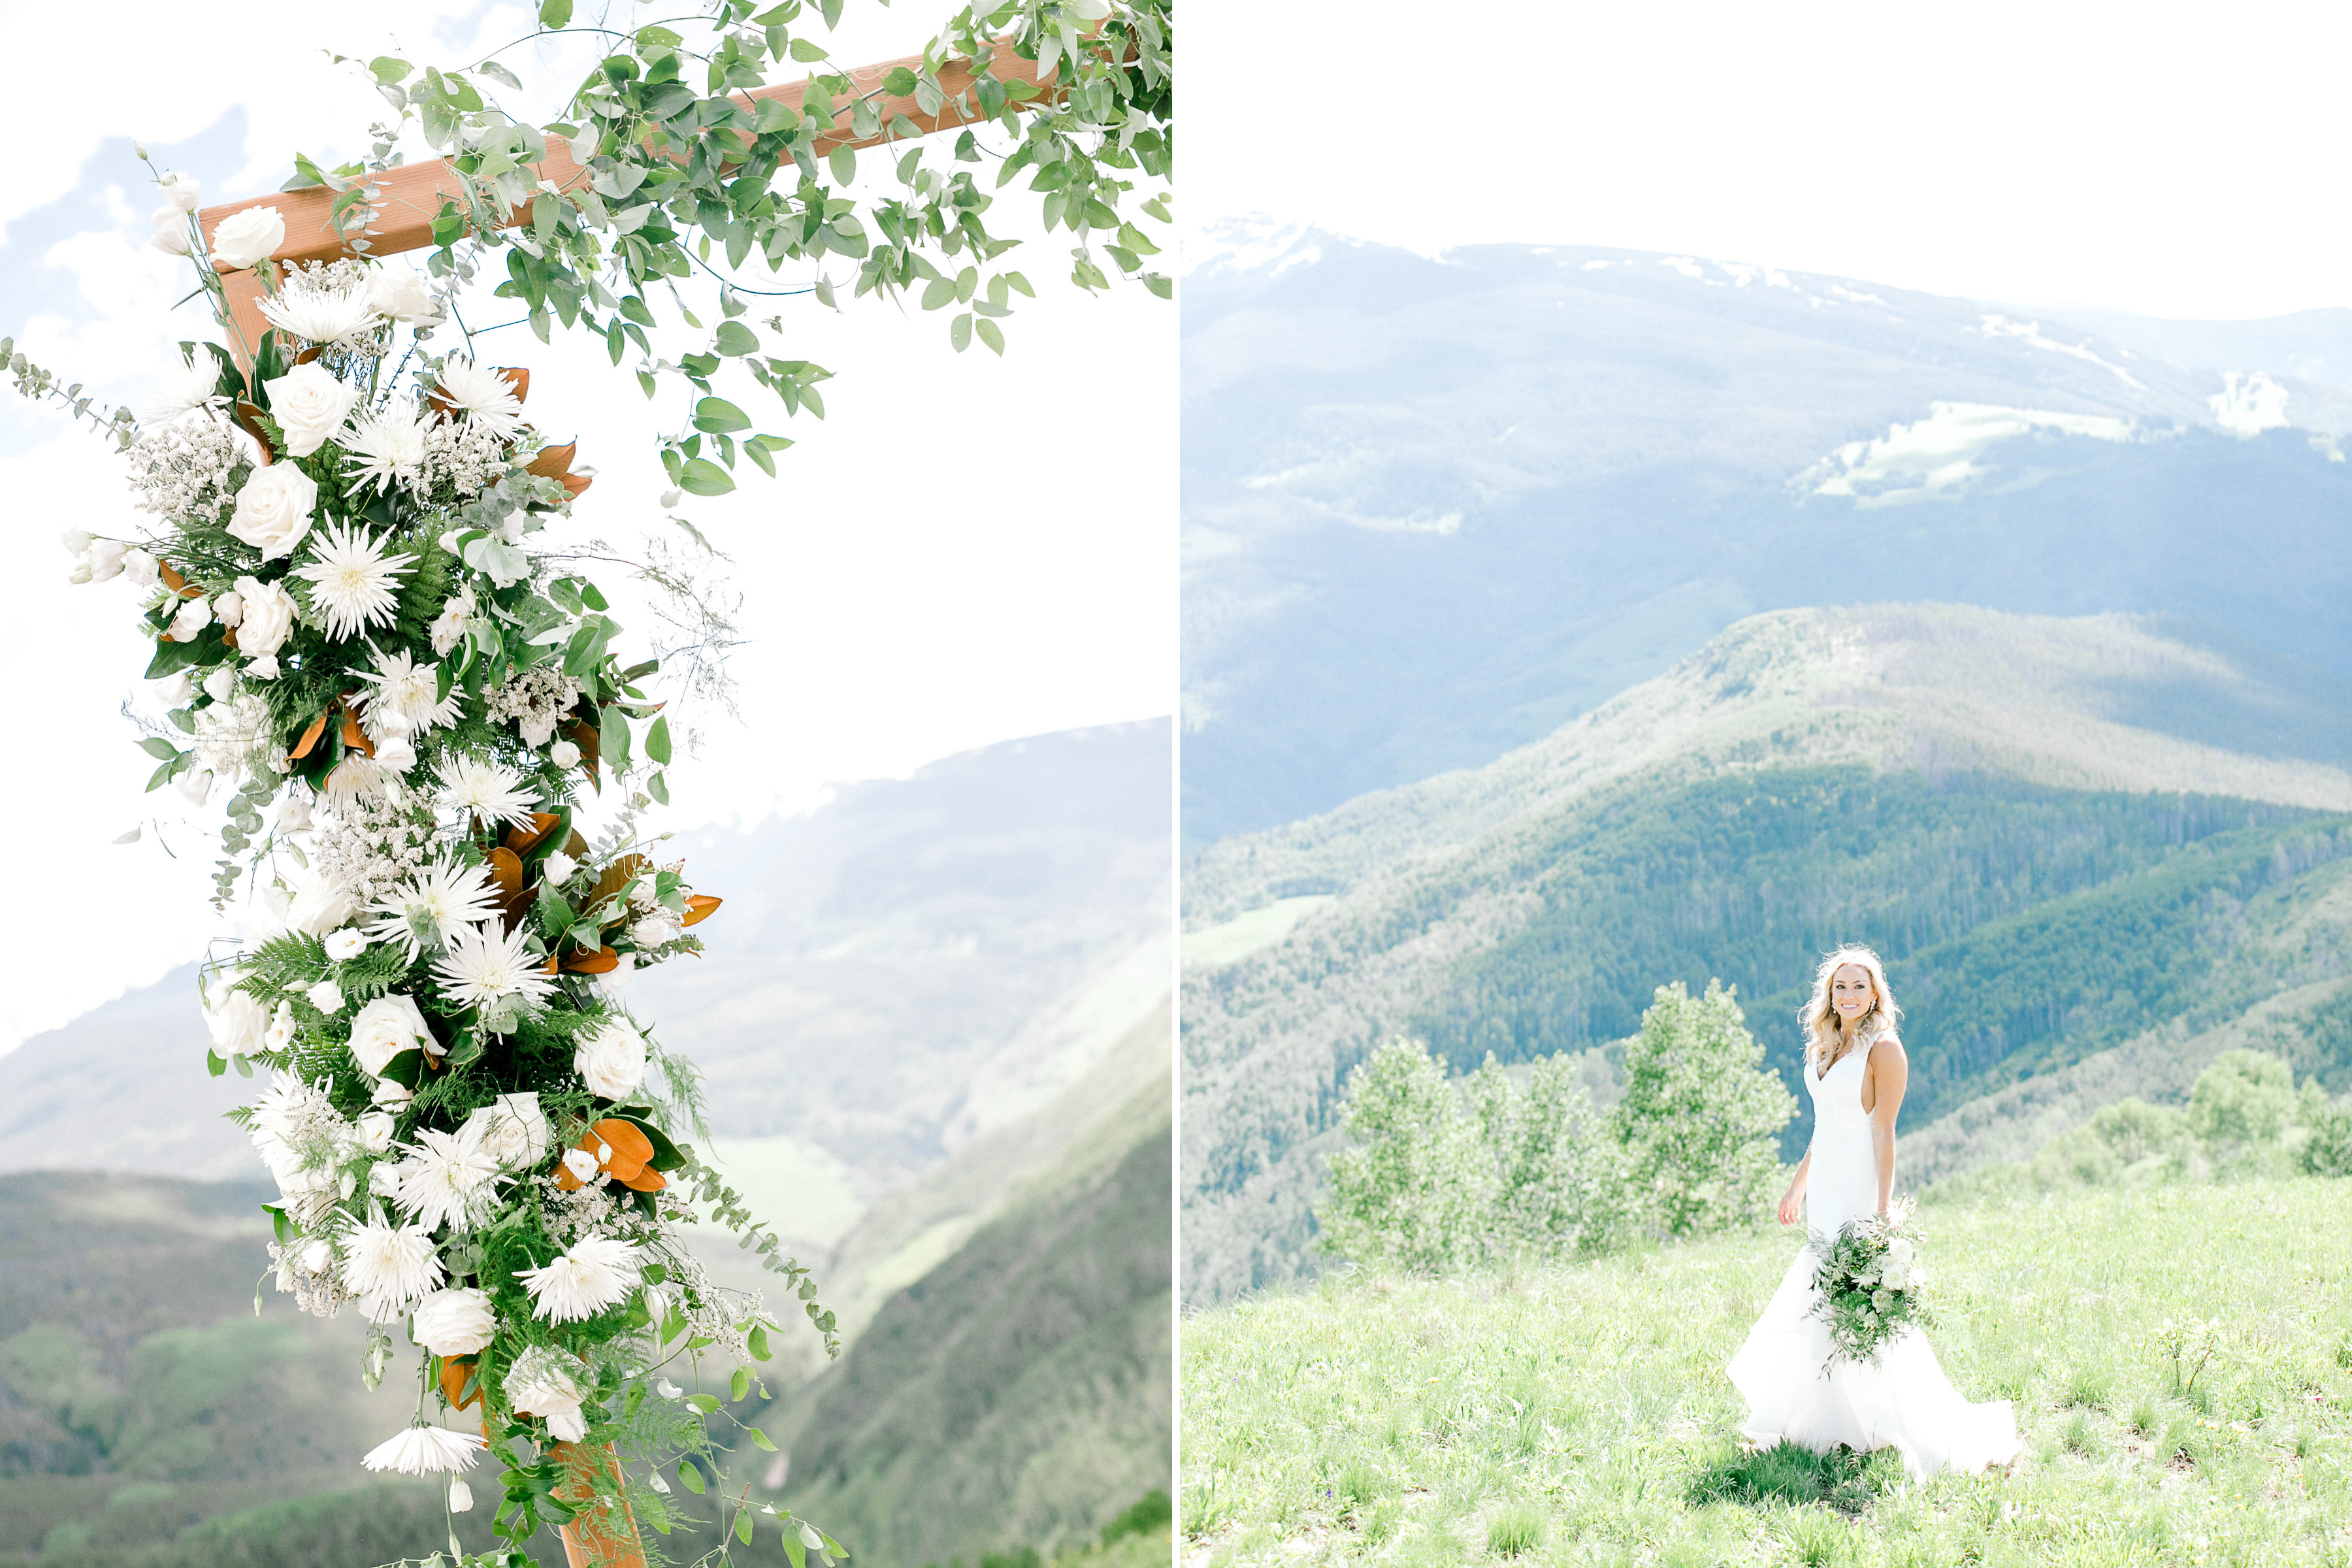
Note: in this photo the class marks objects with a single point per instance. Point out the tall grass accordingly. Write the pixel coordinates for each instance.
(1580, 1414)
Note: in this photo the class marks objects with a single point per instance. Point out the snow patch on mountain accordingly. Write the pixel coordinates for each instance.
(1939, 453)
(2030, 332)
(2249, 405)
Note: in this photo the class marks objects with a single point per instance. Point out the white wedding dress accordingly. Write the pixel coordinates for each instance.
(1904, 1400)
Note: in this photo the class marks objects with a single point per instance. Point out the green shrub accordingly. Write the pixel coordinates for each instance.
(2327, 1147)
(2240, 1111)
(2130, 1140)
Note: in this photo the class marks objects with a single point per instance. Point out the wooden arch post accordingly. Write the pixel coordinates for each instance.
(412, 195)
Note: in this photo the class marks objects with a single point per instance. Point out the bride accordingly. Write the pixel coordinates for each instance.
(1855, 1073)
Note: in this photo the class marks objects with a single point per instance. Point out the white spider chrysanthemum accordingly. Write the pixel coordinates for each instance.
(440, 1176)
(597, 1272)
(385, 447)
(481, 967)
(319, 314)
(487, 397)
(352, 579)
(436, 903)
(411, 689)
(393, 1264)
(293, 1122)
(426, 1451)
(488, 790)
(357, 778)
(192, 383)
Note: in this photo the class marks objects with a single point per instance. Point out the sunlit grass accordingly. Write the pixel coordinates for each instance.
(1581, 1415)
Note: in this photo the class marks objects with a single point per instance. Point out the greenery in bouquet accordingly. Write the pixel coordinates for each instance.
(1869, 1285)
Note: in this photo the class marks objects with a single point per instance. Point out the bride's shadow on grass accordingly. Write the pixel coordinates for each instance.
(1840, 1479)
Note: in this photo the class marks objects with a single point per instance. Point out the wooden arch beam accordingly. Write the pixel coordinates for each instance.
(413, 192)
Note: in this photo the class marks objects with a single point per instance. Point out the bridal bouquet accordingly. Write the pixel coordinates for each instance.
(356, 625)
(1869, 1285)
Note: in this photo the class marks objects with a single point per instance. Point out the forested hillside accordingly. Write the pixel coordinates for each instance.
(2067, 837)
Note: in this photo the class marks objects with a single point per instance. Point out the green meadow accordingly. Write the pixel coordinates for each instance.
(2179, 1356)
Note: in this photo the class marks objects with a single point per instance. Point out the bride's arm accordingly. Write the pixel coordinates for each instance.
(1890, 1072)
(1795, 1196)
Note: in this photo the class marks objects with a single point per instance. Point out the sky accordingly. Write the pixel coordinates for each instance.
(967, 549)
(2166, 160)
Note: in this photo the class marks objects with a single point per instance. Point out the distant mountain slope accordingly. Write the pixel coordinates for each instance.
(2032, 819)
(1434, 509)
(1021, 1390)
(892, 976)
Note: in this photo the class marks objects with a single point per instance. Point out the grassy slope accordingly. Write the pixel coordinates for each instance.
(1019, 1393)
(1974, 793)
(1386, 1420)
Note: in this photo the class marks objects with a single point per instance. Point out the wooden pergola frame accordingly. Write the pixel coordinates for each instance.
(412, 195)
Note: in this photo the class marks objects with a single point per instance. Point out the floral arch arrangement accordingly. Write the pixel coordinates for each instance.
(374, 647)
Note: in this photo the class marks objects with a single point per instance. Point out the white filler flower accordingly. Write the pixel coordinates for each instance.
(393, 1264)
(426, 1451)
(433, 905)
(441, 1176)
(487, 398)
(481, 968)
(488, 790)
(352, 579)
(597, 1272)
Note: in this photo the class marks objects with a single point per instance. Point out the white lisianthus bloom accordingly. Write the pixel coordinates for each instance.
(246, 238)
(326, 996)
(480, 967)
(345, 945)
(449, 625)
(386, 446)
(390, 1262)
(486, 396)
(454, 1321)
(613, 1058)
(77, 573)
(402, 297)
(657, 930)
(139, 569)
(221, 684)
(563, 754)
(282, 1027)
(319, 907)
(195, 787)
(385, 1027)
(396, 755)
(557, 868)
(595, 1272)
(75, 540)
(192, 617)
(461, 1496)
(426, 1451)
(273, 511)
(266, 618)
(310, 405)
(294, 811)
(174, 690)
(444, 897)
(540, 1384)
(181, 190)
(239, 1025)
(392, 1094)
(374, 1131)
(513, 1129)
(105, 559)
(440, 1176)
(488, 790)
(582, 1164)
(230, 608)
(172, 239)
(263, 669)
(352, 580)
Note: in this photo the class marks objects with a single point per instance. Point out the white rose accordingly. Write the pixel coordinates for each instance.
(192, 617)
(172, 240)
(512, 1131)
(182, 191)
(375, 1131)
(75, 540)
(613, 1059)
(265, 669)
(105, 558)
(230, 608)
(310, 406)
(273, 511)
(385, 1027)
(581, 1164)
(456, 1322)
(396, 754)
(346, 944)
(1898, 1253)
(139, 568)
(563, 754)
(326, 996)
(537, 729)
(401, 297)
(657, 929)
(248, 237)
(239, 1025)
(557, 867)
(393, 1093)
(221, 683)
(319, 908)
(265, 619)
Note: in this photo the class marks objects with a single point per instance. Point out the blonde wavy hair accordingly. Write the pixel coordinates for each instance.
(1821, 1019)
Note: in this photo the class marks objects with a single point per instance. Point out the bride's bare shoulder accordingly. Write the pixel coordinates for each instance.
(1886, 1045)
